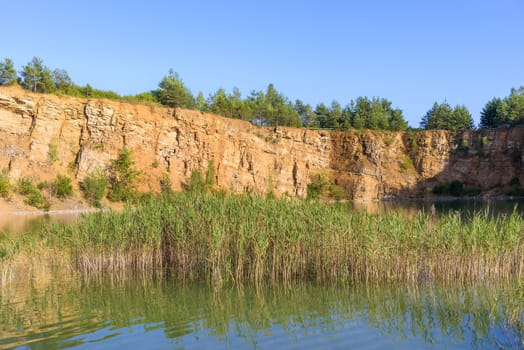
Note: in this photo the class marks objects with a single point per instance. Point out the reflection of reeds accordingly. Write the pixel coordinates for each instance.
(70, 308)
(224, 237)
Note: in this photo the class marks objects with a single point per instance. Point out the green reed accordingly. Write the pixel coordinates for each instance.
(224, 237)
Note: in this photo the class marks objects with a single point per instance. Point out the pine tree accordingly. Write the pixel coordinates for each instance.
(7, 72)
(172, 92)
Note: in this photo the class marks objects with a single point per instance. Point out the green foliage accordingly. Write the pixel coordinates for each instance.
(148, 98)
(210, 175)
(455, 188)
(202, 183)
(201, 103)
(375, 113)
(33, 195)
(407, 164)
(504, 112)
(5, 185)
(321, 187)
(443, 117)
(196, 182)
(94, 187)
(62, 80)
(271, 108)
(225, 237)
(25, 186)
(62, 186)
(7, 72)
(37, 77)
(43, 185)
(52, 153)
(306, 114)
(172, 92)
(123, 177)
(410, 140)
(513, 188)
(36, 199)
(166, 185)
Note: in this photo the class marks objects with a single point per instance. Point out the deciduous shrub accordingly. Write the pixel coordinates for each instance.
(62, 186)
(94, 187)
(5, 185)
(122, 177)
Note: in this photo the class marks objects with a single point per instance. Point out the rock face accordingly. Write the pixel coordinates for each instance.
(44, 135)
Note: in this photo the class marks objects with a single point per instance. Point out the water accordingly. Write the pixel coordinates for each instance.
(467, 207)
(138, 314)
(50, 312)
(15, 223)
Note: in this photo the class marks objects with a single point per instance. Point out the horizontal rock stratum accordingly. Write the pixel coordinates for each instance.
(45, 135)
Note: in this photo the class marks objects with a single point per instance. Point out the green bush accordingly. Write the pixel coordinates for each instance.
(322, 187)
(94, 187)
(42, 185)
(122, 177)
(62, 186)
(196, 182)
(5, 185)
(200, 183)
(25, 186)
(37, 200)
(52, 153)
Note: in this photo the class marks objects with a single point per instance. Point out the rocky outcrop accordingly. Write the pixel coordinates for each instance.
(43, 135)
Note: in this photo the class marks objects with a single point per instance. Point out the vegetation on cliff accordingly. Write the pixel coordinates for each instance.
(268, 107)
(443, 117)
(271, 107)
(505, 112)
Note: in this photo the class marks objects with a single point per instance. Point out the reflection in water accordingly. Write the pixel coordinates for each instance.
(160, 314)
(15, 223)
(467, 207)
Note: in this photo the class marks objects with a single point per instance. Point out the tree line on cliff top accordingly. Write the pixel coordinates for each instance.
(271, 108)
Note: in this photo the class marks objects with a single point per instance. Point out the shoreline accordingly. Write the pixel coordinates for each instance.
(79, 208)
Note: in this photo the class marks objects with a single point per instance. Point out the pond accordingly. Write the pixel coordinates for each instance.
(47, 313)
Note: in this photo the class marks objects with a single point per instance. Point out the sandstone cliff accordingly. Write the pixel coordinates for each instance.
(45, 135)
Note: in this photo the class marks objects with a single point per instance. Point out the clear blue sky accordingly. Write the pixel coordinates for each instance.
(411, 52)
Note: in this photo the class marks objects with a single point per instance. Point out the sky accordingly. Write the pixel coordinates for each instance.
(412, 52)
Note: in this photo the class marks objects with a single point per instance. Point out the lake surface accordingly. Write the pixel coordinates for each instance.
(30, 222)
(137, 314)
(50, 312)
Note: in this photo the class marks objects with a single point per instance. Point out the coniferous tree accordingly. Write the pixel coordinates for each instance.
(397, 121)
(443, 117)
(201, 103)
(489, 117)
(37, 77)
(7, 72)
(172, 92)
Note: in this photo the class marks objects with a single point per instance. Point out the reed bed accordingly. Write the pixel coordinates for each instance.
(248, 238)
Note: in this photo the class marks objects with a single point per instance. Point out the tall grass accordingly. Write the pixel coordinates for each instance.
(224, 237)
